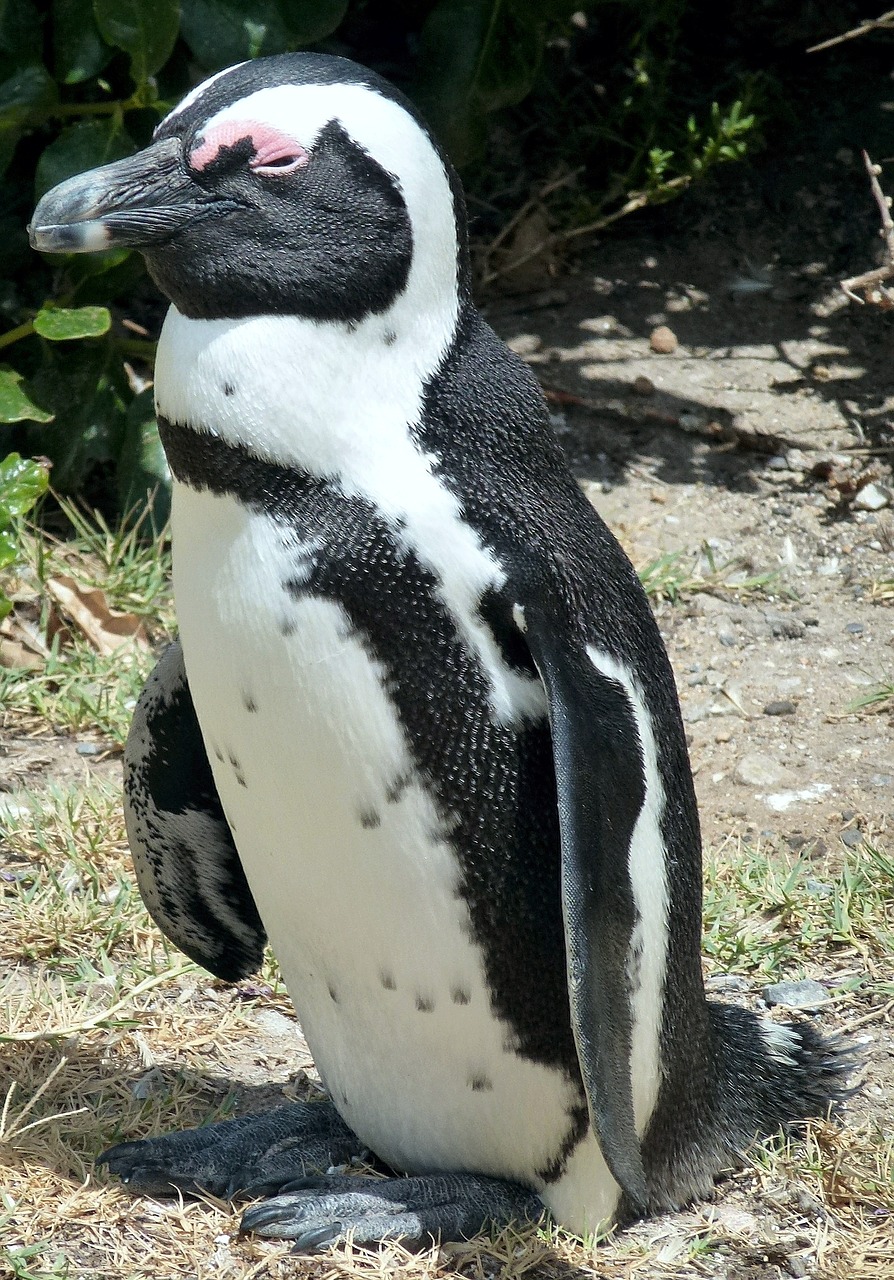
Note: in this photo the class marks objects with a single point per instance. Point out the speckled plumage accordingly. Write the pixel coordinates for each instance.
(443, 757)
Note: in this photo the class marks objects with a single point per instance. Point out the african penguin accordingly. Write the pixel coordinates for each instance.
(419, 728)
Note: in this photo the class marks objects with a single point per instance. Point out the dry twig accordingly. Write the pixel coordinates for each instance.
(885, 22)
(871, 282)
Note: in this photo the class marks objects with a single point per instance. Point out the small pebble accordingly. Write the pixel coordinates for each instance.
(778, 463)
(758, 770)
(873, 497)
(882, 779)
(855, 628)
(525, 344)
(852, 837)
(781, 707)
(663, 340)
(806, 994)
(88, 748)
(796, 1266)
(643, 386)
(727, 982)
(726, 636)
(818, 889)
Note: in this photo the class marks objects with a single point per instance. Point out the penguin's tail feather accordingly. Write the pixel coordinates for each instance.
(774, 1074)
(758, 1077)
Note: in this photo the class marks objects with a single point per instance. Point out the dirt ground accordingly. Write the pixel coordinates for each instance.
(796, 386)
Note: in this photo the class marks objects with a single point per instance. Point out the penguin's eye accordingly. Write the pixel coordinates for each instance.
(286, 162)
(270, 152)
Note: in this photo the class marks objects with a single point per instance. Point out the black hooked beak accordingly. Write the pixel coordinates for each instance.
(133, 203)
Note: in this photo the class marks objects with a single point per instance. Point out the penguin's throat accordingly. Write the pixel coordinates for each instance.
(325, 398)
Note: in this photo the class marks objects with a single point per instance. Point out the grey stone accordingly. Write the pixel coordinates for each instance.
(525, 344)
(758, 770)
(852, 837)
(781, 707)
(727, 982)
(88, 748)
(805, 994)
(872, 497)
(855, 628)
(783, 626)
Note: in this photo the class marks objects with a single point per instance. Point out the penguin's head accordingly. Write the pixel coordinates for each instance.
(295, 185)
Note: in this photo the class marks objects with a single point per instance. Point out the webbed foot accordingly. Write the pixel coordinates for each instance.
(252, 1155)
(315, 1212)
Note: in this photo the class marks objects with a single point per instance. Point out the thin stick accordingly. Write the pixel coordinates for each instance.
(870, 282)
(874, 1016)
(637, 201)
(882, 23)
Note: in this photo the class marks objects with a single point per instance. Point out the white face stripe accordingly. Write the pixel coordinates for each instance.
(648, 879)
(196, 93)
(388, 134)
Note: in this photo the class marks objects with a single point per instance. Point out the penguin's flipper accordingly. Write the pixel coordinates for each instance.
(601, 791)
(188, 870)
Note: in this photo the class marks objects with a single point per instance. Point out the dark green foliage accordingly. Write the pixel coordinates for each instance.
(84, 82)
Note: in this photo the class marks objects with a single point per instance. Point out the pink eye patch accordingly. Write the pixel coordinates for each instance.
(274, 152)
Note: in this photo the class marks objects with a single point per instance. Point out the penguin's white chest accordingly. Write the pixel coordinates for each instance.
(348, 859)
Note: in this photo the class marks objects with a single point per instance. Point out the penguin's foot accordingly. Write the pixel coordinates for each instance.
(250, 1156)
(316, 1212)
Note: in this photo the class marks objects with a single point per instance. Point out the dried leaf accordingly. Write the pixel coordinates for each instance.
(18, 647)
(14, 654)
(87, 607)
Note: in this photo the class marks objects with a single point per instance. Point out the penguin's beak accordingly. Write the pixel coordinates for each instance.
(133, 203)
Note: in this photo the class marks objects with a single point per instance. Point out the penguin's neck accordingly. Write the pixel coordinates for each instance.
(323, 398)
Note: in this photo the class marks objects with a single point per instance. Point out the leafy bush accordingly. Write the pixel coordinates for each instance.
(83, 82)
(22, 483)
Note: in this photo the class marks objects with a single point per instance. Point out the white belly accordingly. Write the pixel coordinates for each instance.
(344, 853)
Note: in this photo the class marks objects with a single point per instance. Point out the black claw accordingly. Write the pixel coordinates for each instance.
(308, 1241)
(261, 1215)
(302, 1184)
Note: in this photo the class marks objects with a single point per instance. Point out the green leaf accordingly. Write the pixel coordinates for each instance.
(15, 405)
(89, 414)
(221, 32)
(82, 146)
(146, 29)
(29, 91)
(142, 474)
(79, 51)
(61, 324)
(308, 21)
(22, 482)
(9, 549)
(475, 56)
(24, 99)
(21, 32)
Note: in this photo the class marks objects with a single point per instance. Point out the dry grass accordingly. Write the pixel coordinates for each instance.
(107, 1032)
(130, 1039)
